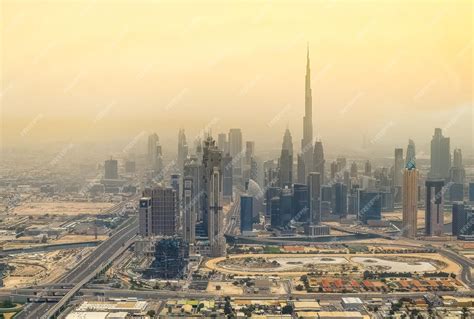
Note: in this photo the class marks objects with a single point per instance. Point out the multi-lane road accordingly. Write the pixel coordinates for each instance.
(98, 259)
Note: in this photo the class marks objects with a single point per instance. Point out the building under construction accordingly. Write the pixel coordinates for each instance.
(171, 259)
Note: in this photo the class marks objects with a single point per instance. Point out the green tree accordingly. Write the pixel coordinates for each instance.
(287, 310)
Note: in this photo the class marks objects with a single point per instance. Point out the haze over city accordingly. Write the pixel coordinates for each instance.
(236, 159)
(98, 71)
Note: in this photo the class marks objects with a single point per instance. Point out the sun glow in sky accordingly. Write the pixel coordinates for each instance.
(82, 70)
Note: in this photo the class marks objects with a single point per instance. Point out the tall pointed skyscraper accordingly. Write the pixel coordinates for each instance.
(410, 152)
(307, 141)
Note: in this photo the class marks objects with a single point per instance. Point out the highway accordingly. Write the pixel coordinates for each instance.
(98, 259)
(465, 263)
(164, 294)
(232, 217)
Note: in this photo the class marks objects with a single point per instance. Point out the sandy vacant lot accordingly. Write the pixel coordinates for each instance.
(227, 288)
(61, 208)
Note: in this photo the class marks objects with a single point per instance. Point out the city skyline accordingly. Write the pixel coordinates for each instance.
(205, 159)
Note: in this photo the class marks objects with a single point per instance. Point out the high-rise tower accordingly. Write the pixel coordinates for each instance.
(410, 152)
(398, 167)
(164, 210)
(182, 150)
(212, 185)
(307, 141)
(235, 150)
(286, 161)
(151, 154)
(410, 200)
(434, 214)
(111, 169)
(318, 159)
(457, 173)
(440, 156)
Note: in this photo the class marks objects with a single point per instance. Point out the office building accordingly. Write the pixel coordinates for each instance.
(287, 210)
(368, 168)
(398, 168)
(460, 217)
(307, 141)
(341, 163)
(151, 151)
(387, 201)
(286, 161)
(314, 188)
(174, 183)
(287, 142)
(212, 186)
(354, 170)
(300, 169)
(144, 217)
(434, 214)
(222, 143)
(246, 214)
(275, 212)
(249, 164)
(410, 200)
(333, 171)
(235, 151)
(457, 173)
(339, 200)
(130, 167)
(411, 153)
(318, 160)
(227, 170)
(164, 210)
(326, 193)
(190, 206)
(198, 147)
(111, 169)
(182, 150)
(370, 206)
(440, 156)
(249, 151)
(353, 200)
(471, 191)
(270, 169)
(456, 192)
(270, 193)
(193, 171)
(347, 179)
(300, 203)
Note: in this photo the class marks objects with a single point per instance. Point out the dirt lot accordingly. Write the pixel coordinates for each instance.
(227, 288)
(61, 208)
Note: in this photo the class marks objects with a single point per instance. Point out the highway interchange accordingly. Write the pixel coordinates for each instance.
(101, 256)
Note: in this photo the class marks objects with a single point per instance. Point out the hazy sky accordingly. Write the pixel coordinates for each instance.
(98, 70)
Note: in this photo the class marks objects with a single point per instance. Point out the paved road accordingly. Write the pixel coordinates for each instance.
(100, 255)
(230, 225)
(163, 294)
(465, 263)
